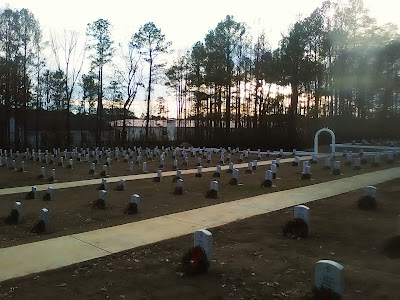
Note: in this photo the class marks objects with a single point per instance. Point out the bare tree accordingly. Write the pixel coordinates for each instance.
(131, 78)
(69, 55)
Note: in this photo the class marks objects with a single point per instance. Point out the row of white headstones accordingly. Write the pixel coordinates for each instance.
(251, 165)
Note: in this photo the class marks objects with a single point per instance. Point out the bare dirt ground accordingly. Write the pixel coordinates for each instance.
(252, 260)
(71, 212)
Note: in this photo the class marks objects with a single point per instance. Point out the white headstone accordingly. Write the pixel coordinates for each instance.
(250, 166)
(159, 174)
(268, 175)
(93, 167)
(103, 195)
(122, 183)
(329, 275)
(273, 168)
(203, 238)
(199, 170)
(131, 166)
(255, 163)
(314, 157)
(179, 183)
(53, 174)
(44, 216)
(337, 165)
(302, 212)
(370, 191)
(214, 185)
(306, 169)
(18, 208)
(105, 170)
(144, 167)
(34, 191)
(218, 169)
(135, 198)
(236, 174)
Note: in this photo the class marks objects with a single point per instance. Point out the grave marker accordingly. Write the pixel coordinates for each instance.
(336, 168)
(370, 191)
(268, 176)
(104, 173)
(249, 168)
(103, 195)
(235, 177)
(327, 164)
(159, 176)
(135, 198)
(295, 162)
(179, 187)
(302, 212)
(18, 208)
(306, 174)
(199, 171)
(329, 276)
(49, 194)
(203, 238)
(274, 170)
(217, 172)
(44, 216)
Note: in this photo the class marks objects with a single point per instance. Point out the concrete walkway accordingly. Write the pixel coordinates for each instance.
(63, 251)
(71, 184)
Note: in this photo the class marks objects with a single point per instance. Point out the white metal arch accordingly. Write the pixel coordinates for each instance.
(316, 139)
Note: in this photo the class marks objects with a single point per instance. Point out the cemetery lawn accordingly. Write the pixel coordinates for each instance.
(71, 212)
(251, 260)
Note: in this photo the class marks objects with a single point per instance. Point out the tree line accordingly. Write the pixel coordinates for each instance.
(337, 67)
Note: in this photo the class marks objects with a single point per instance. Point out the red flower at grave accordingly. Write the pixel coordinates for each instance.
(195, 261)
(196, 256)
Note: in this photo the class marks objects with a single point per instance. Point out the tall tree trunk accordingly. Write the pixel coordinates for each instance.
(148, 99)
(292, 121)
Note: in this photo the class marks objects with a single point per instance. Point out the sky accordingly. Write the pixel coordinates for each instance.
(183, 22)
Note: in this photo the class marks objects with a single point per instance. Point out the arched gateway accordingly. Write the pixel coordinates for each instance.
(316, 139)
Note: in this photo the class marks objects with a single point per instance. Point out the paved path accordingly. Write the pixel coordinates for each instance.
(63, 251)
(71, 184)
